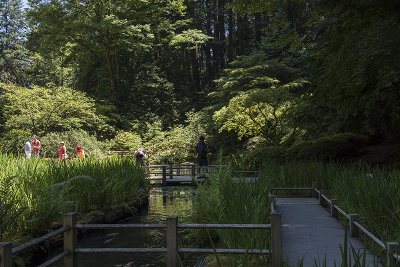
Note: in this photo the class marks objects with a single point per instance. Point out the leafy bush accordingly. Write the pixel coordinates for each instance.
(13, 141)
(340, 146)
(89, 143)
(253, 159)
(125, 141)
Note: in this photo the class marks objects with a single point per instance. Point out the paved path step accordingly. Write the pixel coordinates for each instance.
(309, 232)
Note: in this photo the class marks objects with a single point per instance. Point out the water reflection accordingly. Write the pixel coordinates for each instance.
(163, 202)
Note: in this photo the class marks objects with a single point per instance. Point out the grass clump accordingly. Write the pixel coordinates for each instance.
(34, 193)
(227, 201)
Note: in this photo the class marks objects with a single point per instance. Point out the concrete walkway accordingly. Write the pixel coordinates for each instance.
(310, 233)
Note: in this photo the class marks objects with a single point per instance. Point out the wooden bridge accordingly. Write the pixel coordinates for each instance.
(313, 235)
(303, 230)
(177, 174)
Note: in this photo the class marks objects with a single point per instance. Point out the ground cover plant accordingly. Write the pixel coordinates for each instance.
(34, 193)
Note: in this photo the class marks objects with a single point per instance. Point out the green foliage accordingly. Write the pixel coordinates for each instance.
(356, 72)
(176, 144)
(89, 143)
(110, 49)
(226, 201)
(13, 141)
(191, 38)
(340, 147)
(126, 141)
(337, 147)
(38, 192)
(44, 110)
(260, 94)
(12, 38)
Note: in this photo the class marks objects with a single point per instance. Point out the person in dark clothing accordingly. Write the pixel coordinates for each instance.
(201, 149)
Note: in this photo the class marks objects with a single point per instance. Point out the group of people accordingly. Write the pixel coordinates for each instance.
(32, 146)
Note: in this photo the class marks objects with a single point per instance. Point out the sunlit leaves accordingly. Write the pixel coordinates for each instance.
(190, 38)
(43, 110)
(257, 96)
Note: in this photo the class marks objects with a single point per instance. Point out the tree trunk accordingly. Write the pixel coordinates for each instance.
(230, 36)
(221, 33)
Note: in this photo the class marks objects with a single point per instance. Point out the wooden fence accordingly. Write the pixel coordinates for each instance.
(392, 248)
(70, 229)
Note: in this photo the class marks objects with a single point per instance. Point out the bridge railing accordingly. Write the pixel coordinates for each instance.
(165, 172)
(392, 248)
(70, 230)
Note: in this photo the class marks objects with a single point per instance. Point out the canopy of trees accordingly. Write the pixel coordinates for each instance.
(287, 71)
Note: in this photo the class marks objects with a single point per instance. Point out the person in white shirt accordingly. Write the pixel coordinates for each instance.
(28, 148)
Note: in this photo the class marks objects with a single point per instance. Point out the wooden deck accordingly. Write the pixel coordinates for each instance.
(311, 234)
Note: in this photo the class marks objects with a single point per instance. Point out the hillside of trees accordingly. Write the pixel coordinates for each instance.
(279, 78)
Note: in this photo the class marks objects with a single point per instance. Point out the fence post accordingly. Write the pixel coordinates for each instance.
(352, 228)
(321, 200)
(194, 170)
(172, 241)
(271, 199)
(170, 171)
(70, 237)
(334, 212)
(276, 238)
(164, 175)
(5, 254)
(314, 186)
(393, 248)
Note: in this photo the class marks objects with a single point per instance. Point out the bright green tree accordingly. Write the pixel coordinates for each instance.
(258, 95)
(41, 110)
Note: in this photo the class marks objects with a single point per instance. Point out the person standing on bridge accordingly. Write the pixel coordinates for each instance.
(201, 149)
(140, 155)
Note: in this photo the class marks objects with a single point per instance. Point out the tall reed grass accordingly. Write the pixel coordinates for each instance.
(226, 201)
(374, 194)
(34, 193)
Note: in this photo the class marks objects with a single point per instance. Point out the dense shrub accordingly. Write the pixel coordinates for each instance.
(126, 141)
(337, 147)
(13, 141)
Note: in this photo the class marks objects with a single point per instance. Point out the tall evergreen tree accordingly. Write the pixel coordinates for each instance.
(12, 37)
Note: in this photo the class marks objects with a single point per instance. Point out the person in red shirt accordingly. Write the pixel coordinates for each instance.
(35, 146)
(62, 155)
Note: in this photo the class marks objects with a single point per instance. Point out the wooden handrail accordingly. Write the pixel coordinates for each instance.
(224, 251)
(39, 240)
(54, 259)
(368, 233)
(290, 188)
(341, 211)
(120, 250)
(326, 199)
(118, 226)
(226, 226)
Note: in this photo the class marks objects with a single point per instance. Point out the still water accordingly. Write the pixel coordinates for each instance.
(163, 202)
